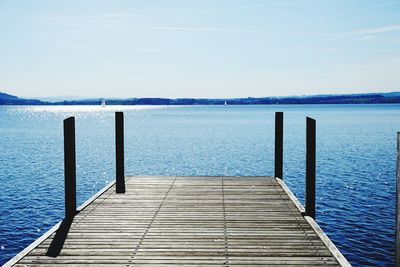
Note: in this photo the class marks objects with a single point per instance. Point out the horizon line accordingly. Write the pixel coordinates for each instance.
(72, 98)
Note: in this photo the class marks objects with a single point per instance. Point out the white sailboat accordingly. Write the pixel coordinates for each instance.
(103, 104)
(225, 104)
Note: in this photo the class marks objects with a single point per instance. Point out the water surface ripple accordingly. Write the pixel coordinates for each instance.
(356, 159)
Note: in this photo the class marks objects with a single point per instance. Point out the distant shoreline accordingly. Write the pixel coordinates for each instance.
(198, 105)
(371, 98)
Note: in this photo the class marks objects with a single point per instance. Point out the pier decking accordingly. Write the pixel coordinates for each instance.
(208, 221)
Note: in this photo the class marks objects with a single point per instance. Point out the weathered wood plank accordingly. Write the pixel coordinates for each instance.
(186, 221)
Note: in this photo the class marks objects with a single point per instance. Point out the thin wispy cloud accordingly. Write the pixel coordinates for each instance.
(109, 20)
(107, 16)
(294, 3)
(118, 16)
(363, 33)
(77, 24)
(196, 29)
(153, 28)
(359, 10)
(119, 20)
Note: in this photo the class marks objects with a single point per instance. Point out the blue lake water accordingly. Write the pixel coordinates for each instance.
(356, 162)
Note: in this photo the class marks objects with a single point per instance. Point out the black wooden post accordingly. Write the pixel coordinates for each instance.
(119, 150)
(69, 168)
(279, 144)
(310, 168)
(397, 230)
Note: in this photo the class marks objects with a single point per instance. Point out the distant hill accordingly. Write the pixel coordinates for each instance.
(7, 99)
(368, 98)
(7, 96)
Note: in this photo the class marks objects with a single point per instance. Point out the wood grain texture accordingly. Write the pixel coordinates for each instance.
(189, 221)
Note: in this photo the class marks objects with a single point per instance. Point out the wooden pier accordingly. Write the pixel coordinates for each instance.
(186, 221)
(209, 221)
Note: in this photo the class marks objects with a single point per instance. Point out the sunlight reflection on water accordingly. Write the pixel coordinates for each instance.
(356, 148)
(75, 109)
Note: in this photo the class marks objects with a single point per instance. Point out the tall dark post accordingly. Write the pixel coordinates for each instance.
(397, 230)
(279, 144)
(119, 150)
(69, 168)
(310, 168)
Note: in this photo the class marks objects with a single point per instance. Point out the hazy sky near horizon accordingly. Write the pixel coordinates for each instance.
(192, 48)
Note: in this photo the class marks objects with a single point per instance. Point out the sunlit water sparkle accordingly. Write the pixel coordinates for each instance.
(356, 153)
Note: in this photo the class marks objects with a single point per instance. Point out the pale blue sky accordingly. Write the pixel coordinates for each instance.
(199, 48)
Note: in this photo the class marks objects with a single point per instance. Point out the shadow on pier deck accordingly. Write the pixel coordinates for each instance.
(213, 221)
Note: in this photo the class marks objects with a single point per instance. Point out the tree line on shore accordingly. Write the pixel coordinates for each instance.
(7, 99)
